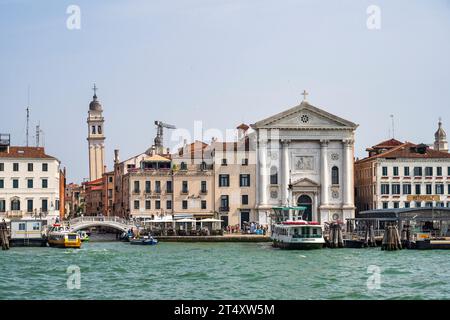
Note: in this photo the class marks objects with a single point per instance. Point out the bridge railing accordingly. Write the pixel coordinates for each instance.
(100, 219)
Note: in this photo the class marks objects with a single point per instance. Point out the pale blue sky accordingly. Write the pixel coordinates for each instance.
(223, 62)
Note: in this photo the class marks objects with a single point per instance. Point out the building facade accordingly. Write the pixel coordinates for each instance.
(30, 182)
(402, 175)
(305, 157)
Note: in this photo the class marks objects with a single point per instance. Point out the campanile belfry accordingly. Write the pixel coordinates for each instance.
(96, 138)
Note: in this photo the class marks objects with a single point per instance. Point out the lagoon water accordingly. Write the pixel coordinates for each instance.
(116, 270)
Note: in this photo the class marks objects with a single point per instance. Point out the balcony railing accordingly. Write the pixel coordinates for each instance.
(224, 209)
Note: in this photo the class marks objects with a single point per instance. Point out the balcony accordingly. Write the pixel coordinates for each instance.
(136, 191)
(224, 209)
(184, 192)
(203, 191)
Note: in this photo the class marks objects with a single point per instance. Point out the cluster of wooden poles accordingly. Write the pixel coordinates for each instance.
(4, 241)
(335, 239)
(391, 239)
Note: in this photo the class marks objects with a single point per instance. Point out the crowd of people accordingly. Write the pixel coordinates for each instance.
(248, 228)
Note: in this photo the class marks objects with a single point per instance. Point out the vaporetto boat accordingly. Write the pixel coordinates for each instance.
(62, 237)
(290, 231)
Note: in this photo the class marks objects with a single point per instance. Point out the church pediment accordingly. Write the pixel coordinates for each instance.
(305, 116)
(305, 182)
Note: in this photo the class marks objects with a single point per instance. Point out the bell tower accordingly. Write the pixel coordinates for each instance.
(440, 138)
(96, 138)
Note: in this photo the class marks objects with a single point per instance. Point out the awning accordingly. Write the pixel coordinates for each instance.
(211, 220)
(186, 220)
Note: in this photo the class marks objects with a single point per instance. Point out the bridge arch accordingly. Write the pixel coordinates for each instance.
(110, 222)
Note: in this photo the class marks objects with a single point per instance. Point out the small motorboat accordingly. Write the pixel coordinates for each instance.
(149, 241)
(83, 236)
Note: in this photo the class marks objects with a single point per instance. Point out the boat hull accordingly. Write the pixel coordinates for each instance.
(144, 242)
(298, 245)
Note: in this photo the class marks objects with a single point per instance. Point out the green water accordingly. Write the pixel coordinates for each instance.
(115, 270)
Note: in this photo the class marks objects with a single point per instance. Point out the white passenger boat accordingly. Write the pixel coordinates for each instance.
(62, 237)
(290, 231)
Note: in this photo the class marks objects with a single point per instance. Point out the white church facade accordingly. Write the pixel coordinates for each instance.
(305, 157)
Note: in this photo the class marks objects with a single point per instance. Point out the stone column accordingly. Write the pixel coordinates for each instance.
(347, 173)
(324, 172)
(285, 173)
(315, 208)
(263, 176)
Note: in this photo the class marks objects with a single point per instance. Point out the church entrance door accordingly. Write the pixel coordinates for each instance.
(305, 201)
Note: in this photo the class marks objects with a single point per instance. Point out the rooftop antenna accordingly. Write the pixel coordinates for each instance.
(28, 116)
(393, 127)
(38, 134)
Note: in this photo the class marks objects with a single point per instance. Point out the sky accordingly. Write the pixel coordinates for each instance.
(222, 62)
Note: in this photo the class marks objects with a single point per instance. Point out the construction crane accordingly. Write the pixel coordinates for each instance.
(159, 147)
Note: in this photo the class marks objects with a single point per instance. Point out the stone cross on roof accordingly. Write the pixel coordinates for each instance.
(304, 94)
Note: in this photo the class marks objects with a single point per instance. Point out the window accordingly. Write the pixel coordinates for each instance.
(2, 183)
(44, 205)
(136, 187)
(385, 205)
(406, 171)
(56, 204)
(16, 183)
(448, 171)
(45, 167)
(158, 186)
(224, 180)
(244, 199)
(224, 162)
(273, 175)
(244, 180)
(184, 187)
(183, 166)
(22, 226)
(418, 189)
(136, 204)
(110, 179)
(184, 205)
(407, 204)
(157, 204)
(169, 204)
(224, 203)
(2, 206)
(36, 226)
(29, 205)
(429, 189)
(406, 189)
(245, 162)
(395, 171)
(44, 183)
(99, 129)
(335, 175)
(93, 129)
(384, 171)
(203, 166)
(417, 171)
(2, 167)
(30, 183)
(439, 171)
(418, 204)
(428, 171)
(15, 167)
(15, 204)
(148, 204)
(396, 189)
(439, 188)
(148, 187)
(30, 167)
(384, 188)
(203, 187)
(203, 205)
(169, 187)
(396, 204)
(428, 204)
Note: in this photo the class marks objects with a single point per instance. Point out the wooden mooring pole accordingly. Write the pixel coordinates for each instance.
(335, 238)
(4, 239)
(391, 239)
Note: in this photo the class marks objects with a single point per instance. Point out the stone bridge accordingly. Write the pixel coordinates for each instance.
(111, 222)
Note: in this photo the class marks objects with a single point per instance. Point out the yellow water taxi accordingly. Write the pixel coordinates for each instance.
(61, 237)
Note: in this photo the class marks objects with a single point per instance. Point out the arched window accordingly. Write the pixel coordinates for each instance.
(15, 205)
(273, 175)
(335, 175)
(93, 129)
(183, 166)
(203, 166)
(99, 130)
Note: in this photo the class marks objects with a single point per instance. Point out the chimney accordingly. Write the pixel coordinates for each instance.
(116, 156)
(242, 131)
